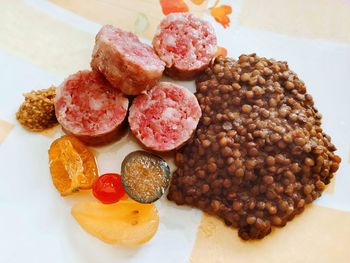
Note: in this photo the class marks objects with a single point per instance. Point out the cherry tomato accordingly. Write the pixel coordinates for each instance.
(108, 188)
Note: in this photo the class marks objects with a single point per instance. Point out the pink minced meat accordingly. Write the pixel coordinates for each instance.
(128, 64)
(88, 107)
(185, 43)
(165, 117)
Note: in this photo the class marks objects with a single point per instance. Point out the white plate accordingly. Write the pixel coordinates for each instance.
(35, 221)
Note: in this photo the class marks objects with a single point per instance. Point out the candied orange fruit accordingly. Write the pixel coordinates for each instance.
(72, 165)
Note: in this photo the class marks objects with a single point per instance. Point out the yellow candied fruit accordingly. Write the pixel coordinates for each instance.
(126, 223)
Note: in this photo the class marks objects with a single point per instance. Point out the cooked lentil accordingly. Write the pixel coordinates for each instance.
(37, 112)
(273, 159)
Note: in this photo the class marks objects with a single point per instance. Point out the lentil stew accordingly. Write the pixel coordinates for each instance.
(259, 154)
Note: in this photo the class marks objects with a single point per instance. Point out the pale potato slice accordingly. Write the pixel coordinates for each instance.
(125, 223)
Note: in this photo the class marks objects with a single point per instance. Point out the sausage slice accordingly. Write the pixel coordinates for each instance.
(185, 43)
(128, 64)
(88, 107)
(165, 117)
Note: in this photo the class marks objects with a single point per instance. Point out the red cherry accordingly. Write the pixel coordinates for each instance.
(108, 188)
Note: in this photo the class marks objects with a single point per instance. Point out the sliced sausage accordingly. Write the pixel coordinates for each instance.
(88, 107)
(165, 117)
(128, 64)
(185, 43)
